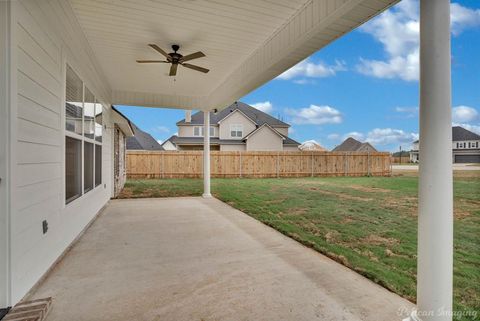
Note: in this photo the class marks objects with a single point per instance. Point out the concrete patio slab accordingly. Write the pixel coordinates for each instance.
(200, 259)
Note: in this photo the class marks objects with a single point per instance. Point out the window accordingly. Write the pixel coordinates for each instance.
(87, 167)
(73, 168)
(98, 121)
(83, 141)
(98, 165)
(236, 130)
(198, 131)
(89, 114)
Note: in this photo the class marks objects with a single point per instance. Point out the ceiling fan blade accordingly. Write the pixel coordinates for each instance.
(173, 70)
(195, 55)
(160, 50)
(197, 68)
(151, 61)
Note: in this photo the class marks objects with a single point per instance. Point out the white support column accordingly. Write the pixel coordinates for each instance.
(206, 154)
(435, 210)
(7, 89)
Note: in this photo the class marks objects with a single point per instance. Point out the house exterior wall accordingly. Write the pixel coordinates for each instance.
(232, 147)
(187, 130)
(290, 148)
(169, 146)
(119, 154)
(265, 140)
(5, 134)
(282, 130)
(469, 147)
(235, 118)
(45, 38)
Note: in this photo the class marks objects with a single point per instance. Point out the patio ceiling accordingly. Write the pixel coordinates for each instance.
(246, 42)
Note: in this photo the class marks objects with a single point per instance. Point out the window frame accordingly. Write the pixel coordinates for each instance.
(236, 128)
(83, 139)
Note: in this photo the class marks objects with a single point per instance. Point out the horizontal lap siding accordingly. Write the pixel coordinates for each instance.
(39, 148)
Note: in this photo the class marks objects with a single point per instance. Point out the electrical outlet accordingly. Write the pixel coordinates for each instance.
(45, 226)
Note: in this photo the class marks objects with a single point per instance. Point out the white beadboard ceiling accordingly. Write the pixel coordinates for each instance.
(246, 43)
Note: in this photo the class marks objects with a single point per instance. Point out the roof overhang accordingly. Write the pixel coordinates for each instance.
(246, 43)
(122, 122)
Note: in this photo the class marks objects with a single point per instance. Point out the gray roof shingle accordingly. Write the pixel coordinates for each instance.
(142, 140)
(460, 133)
(352, 145)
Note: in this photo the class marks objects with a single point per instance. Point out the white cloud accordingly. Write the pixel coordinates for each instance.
(333, 136)
(309, 69)
(387, 136)
(470, 127)
(159, 141)
(162, 129)
(462, 18)
(356, 135)
(464, 114)
(398, 30)
(315, 115)
(265, 106)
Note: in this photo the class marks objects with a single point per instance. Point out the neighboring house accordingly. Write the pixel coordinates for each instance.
(352, 145)
(238, 127)
(168, 145)
(465, 147)
(311, 145)
(122, 131)
(142, 141)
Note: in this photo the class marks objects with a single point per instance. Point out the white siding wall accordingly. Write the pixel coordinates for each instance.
(229, 148)
(4, 152)
(42, 49)
(264, 140)
(235, 118)
(187, 130)
(282, 130)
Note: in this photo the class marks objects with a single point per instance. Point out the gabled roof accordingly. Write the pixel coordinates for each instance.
(217, 141)
(239, 112)
(460, 133)
(352, 145)
(142, 140)
(263, 126)
(259, 117)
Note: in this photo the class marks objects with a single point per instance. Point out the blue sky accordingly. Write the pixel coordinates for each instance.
(364, 85)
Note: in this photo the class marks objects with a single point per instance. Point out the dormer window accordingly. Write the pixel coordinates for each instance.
(236, 130)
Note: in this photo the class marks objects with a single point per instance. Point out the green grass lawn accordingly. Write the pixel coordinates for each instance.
(367, 223)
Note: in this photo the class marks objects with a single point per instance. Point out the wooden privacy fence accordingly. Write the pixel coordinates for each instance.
(183, 164)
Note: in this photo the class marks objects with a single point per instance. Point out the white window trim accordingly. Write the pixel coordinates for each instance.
(236, 128)
(82, 138)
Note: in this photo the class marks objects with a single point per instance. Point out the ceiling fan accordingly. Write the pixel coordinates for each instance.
(176, 59)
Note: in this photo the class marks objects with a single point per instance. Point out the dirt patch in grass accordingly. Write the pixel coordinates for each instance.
(367, 189)
(341, 195)
(373, 239)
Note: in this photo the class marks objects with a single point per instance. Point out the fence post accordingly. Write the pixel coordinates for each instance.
(240, 164)
(345, 163)
(162, 159)
(311, 160)
(368, 164)
(278, 164)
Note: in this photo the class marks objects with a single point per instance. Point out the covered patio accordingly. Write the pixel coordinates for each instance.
(52, 50)
(200, 259)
